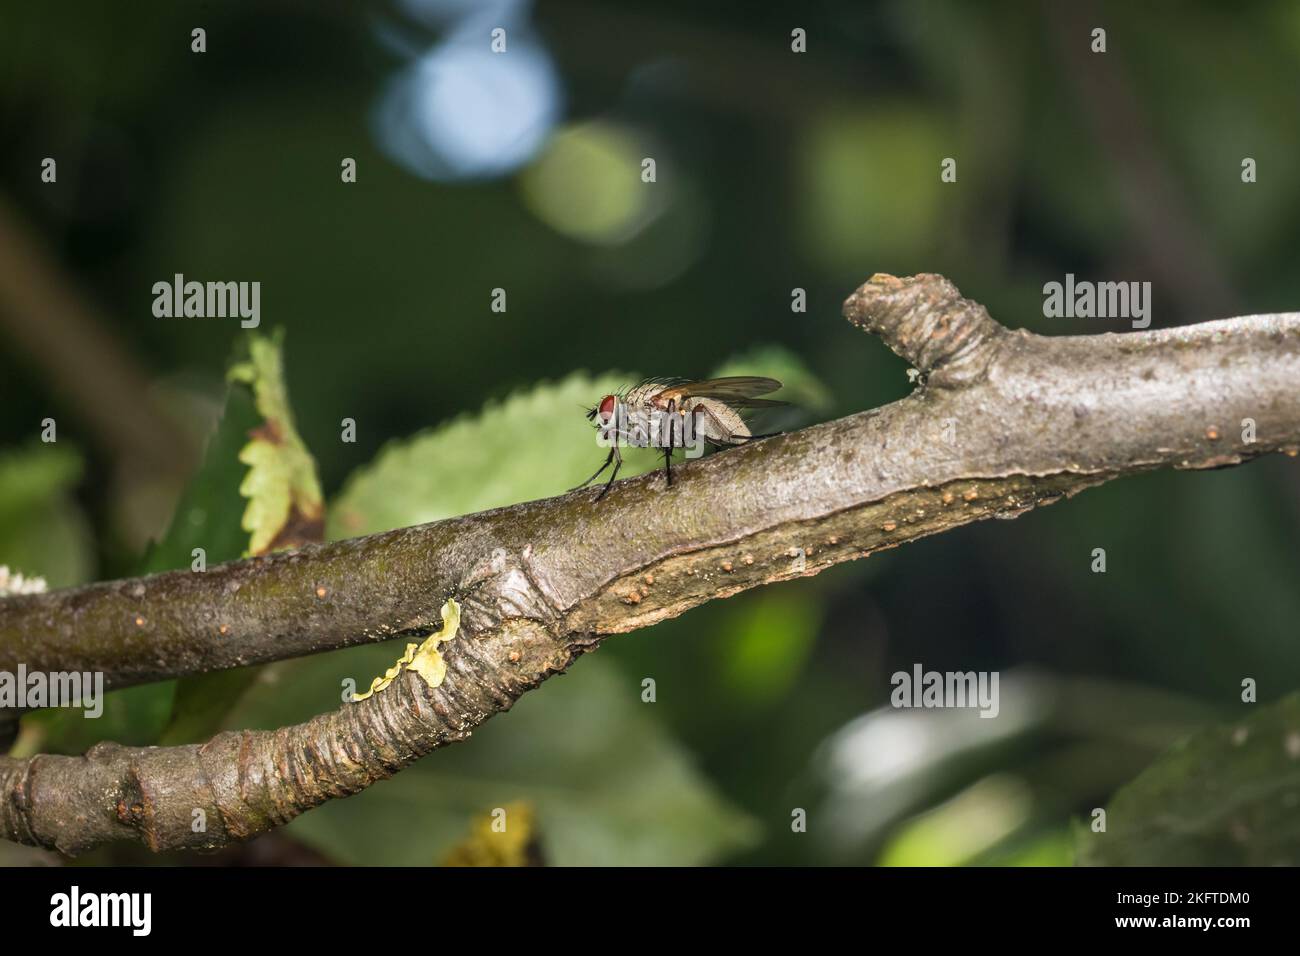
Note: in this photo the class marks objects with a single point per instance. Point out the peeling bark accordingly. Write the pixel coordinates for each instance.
(1004, 421)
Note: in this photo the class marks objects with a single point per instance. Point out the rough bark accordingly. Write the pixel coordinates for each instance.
(1003, 421)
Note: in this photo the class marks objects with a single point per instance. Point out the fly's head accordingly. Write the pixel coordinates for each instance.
(601, 413)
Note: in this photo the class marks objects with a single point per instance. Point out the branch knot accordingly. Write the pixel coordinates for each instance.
(925, 320)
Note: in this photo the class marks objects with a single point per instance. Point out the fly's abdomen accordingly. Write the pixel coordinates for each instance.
(718, 422)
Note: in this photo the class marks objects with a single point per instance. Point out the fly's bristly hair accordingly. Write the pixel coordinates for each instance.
(667, 381)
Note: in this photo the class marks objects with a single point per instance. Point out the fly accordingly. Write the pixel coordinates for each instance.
(670, 413)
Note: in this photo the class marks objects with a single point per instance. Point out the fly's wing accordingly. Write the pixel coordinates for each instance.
(738, 391)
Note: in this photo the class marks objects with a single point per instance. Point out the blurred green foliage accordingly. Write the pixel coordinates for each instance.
(1228, 796)
(776, 171)
(42, 530)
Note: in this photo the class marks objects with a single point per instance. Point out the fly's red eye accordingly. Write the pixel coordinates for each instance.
(606, 407)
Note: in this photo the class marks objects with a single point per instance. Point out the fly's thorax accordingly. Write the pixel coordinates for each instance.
(631, 425)
(647, 426)
(642, 395)
(638, 426)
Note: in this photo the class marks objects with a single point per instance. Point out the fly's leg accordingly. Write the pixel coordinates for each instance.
(668, 451)
(618, 463)
(608, 459)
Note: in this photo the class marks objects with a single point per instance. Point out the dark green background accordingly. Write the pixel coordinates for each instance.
(775, 170)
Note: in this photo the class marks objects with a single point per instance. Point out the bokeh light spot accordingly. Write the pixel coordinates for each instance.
(587, 185)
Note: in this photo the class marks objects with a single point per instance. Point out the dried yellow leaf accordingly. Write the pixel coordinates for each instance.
(424, 658)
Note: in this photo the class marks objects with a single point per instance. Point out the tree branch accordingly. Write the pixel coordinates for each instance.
(1003, 421)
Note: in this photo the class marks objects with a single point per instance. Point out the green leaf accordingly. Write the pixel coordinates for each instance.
(42, 531)
(285, 504)
(534, 444)
(205, 514)
(192, 708)
(1228, 796)
(282, 488)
